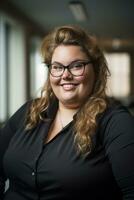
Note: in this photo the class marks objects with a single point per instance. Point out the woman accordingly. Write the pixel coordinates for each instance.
(72, 142)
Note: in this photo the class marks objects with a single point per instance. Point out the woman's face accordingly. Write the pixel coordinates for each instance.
(70, 90)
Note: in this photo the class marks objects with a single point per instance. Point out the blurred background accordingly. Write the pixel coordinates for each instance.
(23, 24)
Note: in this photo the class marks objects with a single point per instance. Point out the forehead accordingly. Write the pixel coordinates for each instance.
(67, 52)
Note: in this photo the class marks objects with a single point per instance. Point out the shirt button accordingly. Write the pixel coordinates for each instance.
(33, 173)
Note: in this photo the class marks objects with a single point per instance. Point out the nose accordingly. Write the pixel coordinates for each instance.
(66, 74)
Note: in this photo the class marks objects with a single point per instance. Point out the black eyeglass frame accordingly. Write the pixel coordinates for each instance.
(84, 63)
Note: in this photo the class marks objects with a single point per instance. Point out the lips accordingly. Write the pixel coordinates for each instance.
(69, 86)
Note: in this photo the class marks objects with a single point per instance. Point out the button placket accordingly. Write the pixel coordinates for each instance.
(33, 173)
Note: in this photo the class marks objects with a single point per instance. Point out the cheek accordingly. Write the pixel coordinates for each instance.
(54, 81)
(86, 82)
(80, 79)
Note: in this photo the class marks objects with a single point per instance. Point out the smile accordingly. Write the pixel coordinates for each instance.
(69, 86)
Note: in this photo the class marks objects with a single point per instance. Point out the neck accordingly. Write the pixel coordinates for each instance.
(65, 115)
(67, 110)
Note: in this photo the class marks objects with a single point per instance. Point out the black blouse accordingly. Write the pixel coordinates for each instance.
(55, 171)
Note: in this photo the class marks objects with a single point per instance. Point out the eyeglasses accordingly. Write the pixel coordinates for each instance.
(76, 68)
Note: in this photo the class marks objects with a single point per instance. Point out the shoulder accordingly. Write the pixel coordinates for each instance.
(15, 122)
(115, 123)
(19, 116)
(115, 112)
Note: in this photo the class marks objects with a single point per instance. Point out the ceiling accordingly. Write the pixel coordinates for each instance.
(106, 18)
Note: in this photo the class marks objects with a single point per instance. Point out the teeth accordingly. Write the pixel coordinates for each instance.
(69, 86)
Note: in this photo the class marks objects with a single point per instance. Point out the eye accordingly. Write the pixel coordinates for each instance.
(56, 67)
(77, 65)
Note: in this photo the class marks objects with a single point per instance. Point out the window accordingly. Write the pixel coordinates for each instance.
(39, 71)
(12, 67)
(119, 82)
(3, 71)
(16, 68)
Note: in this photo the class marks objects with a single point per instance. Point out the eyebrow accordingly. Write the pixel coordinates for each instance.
(77, 60)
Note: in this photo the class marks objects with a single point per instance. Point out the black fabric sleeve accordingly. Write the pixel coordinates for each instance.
(118, 140)
(6, 134)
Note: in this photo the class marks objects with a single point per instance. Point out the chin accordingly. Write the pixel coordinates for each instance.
(71, 102)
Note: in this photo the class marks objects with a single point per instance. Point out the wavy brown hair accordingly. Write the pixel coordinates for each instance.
(86, 119)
